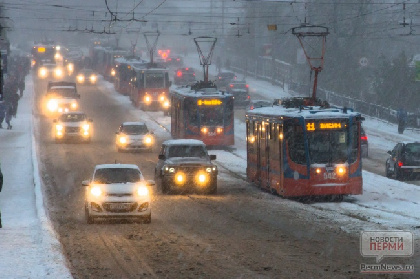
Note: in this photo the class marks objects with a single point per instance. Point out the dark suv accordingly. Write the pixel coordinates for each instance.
(185, 166)
(224, 78)
(184, 76)
(239, 90)
(404, 161)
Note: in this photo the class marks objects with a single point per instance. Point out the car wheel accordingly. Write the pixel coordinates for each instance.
(213, 189)
(398, 174)
(387, 173)
(89, 219)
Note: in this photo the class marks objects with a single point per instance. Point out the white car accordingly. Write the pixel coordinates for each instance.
(72, 125)
(132, 136)
(117, 191)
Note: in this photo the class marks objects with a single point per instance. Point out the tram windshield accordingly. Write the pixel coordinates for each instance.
(155, 80)
(328, 146)
(211, 115)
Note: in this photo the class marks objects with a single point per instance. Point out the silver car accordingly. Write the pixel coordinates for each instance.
(117, 191)
(133, 136)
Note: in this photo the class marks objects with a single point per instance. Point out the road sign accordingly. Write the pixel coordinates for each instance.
(363, 61)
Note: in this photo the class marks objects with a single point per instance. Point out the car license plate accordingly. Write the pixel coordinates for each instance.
(119, 206)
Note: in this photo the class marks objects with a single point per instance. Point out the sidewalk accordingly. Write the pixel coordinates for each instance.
(28, 246)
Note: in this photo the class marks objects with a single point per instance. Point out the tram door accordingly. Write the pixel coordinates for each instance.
(258, 154)
(264, 156)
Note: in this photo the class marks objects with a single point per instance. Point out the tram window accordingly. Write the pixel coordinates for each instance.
(192, 110)
(229, 111)
(296, 144)
(355, 142)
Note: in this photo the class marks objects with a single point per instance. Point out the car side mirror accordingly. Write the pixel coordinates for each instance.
(212, 157)
(150, 183)
(161, 157)
(85, 183)
(389, 152)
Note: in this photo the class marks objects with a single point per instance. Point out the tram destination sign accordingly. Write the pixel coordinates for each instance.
(209, 102)
(314, 126)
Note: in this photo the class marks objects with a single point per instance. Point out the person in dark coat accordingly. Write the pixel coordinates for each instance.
(3, 108)
(21, 86)
(1, 186)
(9, 114)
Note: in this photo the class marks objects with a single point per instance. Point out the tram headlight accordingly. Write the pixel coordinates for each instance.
(162, 98)
(318, 170)
(204, 130)
(166, 104)
(341, 170)
(147, 99)
(113, 72)
(81, 78)
(219, 130)
(52, 105)
(93, 78)
(251, 139)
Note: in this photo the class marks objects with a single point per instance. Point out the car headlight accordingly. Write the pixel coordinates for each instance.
(74, 105)
(52, 105)
(113, 72)
(123, 140)
(148, 140)
(142, 191)
(92, 78)
(202, 178)
(58, 72)
(96, 191)
(86, 127)
(70, 67)
(166, 104)
(208, 169)
(80, 78)
(59, 127)
(180, 178)
(42, 72)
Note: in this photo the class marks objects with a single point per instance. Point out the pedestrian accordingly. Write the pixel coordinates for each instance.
(402, 120)
(21, 86)
(14, 100)
(1, 186)
(3, 108)
(9, 114)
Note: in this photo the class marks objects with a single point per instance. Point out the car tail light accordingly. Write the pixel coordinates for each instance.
(193, 74)
(186, 69)
(177, 59)
(231, 85)
(252, 107)
(400, 164)
(247, 86)
(249, 97)
(179, 74)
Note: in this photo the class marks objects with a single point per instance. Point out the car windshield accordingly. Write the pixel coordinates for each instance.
(135, 129)
(116, 175)
(413, 148)
(187, 151)
(62, 92)
(72, 117)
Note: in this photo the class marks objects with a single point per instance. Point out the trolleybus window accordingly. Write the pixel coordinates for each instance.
(155, 80)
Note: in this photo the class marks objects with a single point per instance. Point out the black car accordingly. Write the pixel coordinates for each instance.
(185, 166)
(224, 78)
(239, 90)
(184, 76)
(364, 143)
(404, 161)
